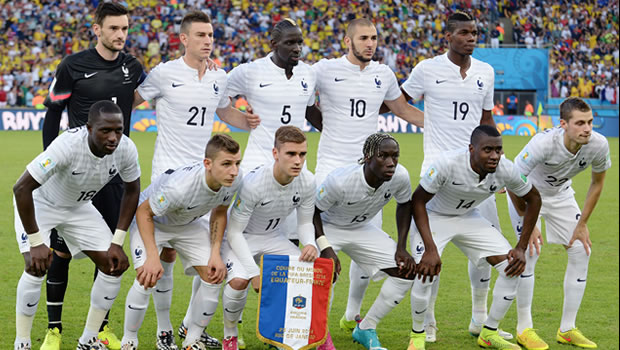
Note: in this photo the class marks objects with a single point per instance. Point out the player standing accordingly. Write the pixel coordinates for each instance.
(458, 96)
(281, 89)
(268, 195)
(352, 88)
(550, 160)
(56, 192)
(170, 212)
(187, 96)
(101, 73)
(446, 203)
(345, 204)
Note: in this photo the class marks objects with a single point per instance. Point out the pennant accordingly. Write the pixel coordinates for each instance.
(294, 301)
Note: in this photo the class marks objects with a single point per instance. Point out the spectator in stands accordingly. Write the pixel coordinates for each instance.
(498, 109)
(512, 103)
(3, 95)
(529, 109)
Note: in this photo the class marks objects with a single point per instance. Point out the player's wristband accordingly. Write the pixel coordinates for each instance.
(35, 239)
(119, 237)
(323, 243)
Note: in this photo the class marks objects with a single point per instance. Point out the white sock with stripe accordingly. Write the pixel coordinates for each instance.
(525, 293)
(504, 292)
(392, 293)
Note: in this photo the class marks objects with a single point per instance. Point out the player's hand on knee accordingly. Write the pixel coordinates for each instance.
(535, 242)
(309, 254)
(581, 234)
(516, 262)
(405, 262)
(40, 259)
(150, 273)
(429, 266)
(117, 260)
(329, 253)
(216, 270)
(255, 281)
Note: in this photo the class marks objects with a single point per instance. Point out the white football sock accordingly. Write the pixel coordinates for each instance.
(525, 293)
(136, 303)
(26, 303)
(429, 315)
(188, 314)
(574, 284)
(203, 308)
(479, 278)
(162, 297)
(358, 283)
(104, 291)
(504, 292)
(392, 293)
(421, 293)
(233, 301)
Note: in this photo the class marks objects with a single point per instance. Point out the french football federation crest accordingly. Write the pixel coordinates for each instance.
(299, 302)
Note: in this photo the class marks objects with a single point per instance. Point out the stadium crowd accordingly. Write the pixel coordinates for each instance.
(582, 36)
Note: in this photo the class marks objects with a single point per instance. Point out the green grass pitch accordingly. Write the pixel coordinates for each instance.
(598, 316)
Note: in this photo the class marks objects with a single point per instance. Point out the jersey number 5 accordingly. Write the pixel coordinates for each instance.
(285, 114)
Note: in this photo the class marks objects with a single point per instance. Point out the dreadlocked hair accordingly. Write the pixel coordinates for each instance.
(371, 146)
(276, 32)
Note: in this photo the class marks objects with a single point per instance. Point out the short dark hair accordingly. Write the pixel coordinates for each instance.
(358, 22)
(289, 133)
(570, 104)
(481, 130)
(456, 18)
(105, 9)
(221, 142)
(372, 143)
(191, 17)
(276, 32)
(100, 108)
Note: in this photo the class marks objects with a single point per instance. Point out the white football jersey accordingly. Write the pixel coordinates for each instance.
(457, 187)
(452, 105)
(348, 201)
(277, 100)
(550, 166)
(70, 174)
(178, 197)
(264, 204)
(350, 100)
(185, 108)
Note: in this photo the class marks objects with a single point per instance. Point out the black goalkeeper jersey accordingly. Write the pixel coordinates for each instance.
(85, 78)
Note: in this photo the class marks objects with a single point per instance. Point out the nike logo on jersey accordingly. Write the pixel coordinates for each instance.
(190, 208)
(176, 85)
(261, 85)
(551, 164)
(264, 203)
(135, 308)
(441, 81)
(88, 75)
(77, 173)
(338, 80)
(527, 276)
(351, 203)
(456, 184)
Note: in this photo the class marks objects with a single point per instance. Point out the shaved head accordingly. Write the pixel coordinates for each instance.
(354, 24)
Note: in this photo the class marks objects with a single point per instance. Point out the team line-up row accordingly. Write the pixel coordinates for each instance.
(92, 171)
